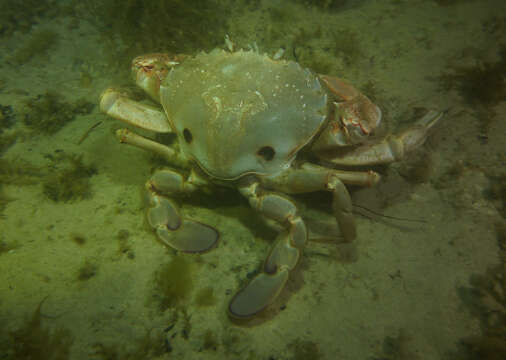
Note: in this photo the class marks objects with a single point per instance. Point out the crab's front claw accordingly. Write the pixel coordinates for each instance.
(393, 148)
(118, 106)
(150, 70)
(353, 118)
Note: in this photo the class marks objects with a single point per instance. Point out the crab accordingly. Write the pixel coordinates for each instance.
(267, 127)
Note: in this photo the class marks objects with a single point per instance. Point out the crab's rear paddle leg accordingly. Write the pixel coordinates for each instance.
(179, 233)
(283, 258)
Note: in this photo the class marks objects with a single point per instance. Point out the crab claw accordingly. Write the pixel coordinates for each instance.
(354, 117)
(394, 147)
(151, 69)
(118, 106)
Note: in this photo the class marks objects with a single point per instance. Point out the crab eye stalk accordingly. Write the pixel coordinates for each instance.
(266, 152)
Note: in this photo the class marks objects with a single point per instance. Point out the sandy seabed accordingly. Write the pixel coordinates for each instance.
(396, 293)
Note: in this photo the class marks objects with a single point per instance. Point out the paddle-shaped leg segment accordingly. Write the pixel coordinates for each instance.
(177, 232)
(265, 287)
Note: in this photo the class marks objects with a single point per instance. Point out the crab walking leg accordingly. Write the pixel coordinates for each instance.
(310, 177)
(283, 258)
(125, 136)
(177, 232)
(122, 108)
(393, 148)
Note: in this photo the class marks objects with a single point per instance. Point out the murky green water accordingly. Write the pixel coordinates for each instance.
(83, 274)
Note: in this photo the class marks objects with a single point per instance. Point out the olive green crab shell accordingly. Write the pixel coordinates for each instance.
(242, 112)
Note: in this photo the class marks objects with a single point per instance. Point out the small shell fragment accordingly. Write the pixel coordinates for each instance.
(230, 45)
(279, 54)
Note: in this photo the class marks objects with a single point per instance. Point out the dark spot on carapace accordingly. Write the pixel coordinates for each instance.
(188, 137)
(266, 152)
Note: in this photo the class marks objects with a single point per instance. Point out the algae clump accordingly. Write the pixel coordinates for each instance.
(32, 341)
(38, 44)
(22, 15)
(48, 113)
(205, 297)
(147, 347)
(71, 183)
(173, 283)
(87, 271)
(148, 26)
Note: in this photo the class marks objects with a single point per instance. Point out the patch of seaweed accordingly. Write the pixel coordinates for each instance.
(19, 172)
(70, 183)
(49, 112)
(479, 84)
(450, 2)
(33, 341)
(4, 200)
(173, 283)
(486, 299)
(149, 26)
(327, 5)
(22, 15)
(147, 347)
(39, 43)
(7, 118)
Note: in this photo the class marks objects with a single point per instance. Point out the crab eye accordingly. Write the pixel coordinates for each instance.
(266, 152)
(188, 137)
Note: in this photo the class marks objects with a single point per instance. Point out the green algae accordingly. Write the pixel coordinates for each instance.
(7, 117)
(22, 15)
(173, 283)
(205, 297)
(39, 43)
(33, 341)
(479, 84)
(72, 182)
(78, 239)
(5, 246)
(147, 347)
(149, 26)
(7, 140)
(65, 179)
(124, 245)
(19, 172)
(325, 5)
(50, 112)
(7, 120)
(485, 298)
(4, 200)
(87, 270)
(210, 341)
(342, 45)
(305, 350)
